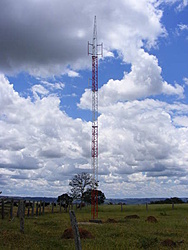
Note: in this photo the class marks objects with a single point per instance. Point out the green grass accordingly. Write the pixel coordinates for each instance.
(45, 231)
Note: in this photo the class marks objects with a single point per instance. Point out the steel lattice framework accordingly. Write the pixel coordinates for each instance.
(94, 146)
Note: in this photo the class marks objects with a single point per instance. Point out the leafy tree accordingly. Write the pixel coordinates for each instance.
(65, 199)
(100, 195)
(79, 184)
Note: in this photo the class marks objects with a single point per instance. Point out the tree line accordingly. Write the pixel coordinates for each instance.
(174, 200)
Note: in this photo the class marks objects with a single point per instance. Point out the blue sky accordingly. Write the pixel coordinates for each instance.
(45, 100)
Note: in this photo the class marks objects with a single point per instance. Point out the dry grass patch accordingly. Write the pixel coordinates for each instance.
(151, 219)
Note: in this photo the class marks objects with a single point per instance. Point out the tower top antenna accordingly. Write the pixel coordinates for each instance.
(95, 37)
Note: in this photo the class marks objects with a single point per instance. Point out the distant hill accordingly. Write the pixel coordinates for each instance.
(174, 200)
(135, 201)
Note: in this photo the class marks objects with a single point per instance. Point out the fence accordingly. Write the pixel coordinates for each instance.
(11, 208)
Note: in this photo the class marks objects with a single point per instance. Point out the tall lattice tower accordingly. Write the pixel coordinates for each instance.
(94, 149)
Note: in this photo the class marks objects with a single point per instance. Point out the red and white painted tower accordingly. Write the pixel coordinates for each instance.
(94, 147)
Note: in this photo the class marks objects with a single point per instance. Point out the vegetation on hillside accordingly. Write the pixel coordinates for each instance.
(174, 200)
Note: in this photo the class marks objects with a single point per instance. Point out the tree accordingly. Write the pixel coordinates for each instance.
(65, 200)
(100, 195)
(79, 184)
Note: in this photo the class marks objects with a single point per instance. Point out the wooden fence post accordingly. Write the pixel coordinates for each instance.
(18, 211)
(172, 205)
(22, 211)
(74, 225)
(121, 207)
(147, 207)
(24, 203)
(40, 206)
(28, 210)
(33, 207)
(43, 206)
(37, 209)
(52, 207)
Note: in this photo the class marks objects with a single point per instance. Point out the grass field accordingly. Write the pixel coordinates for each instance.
(45, 232)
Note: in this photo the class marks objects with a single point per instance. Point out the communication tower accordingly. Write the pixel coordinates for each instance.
(93, 51)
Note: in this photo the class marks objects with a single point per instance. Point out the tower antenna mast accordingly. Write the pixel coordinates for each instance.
(93, 51)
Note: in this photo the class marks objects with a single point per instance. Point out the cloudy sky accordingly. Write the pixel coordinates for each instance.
(45, 100)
